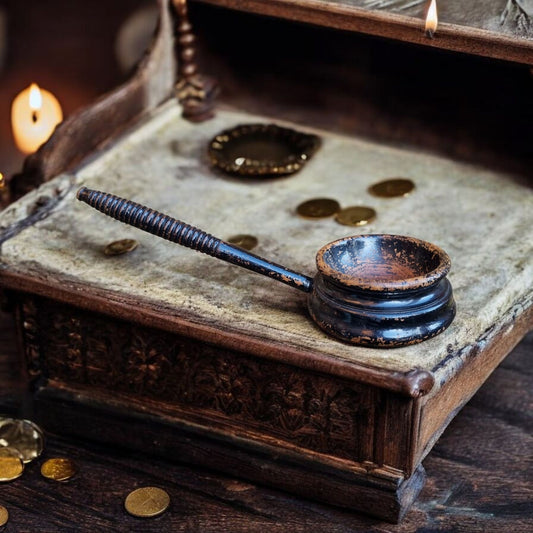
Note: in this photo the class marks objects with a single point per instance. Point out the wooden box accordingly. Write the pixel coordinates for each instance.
(225, 369)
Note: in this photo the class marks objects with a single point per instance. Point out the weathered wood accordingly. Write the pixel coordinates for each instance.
(479, 477)
(501, 30)
(384, 493)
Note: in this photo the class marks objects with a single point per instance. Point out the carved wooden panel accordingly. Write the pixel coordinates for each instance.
(218, 386)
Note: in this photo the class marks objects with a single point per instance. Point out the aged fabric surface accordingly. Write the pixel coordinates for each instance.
(481, 218)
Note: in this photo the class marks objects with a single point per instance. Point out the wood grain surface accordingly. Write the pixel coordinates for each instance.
(479, 475)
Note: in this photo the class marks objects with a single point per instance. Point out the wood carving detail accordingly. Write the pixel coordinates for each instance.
(219, 386)
(30, 338)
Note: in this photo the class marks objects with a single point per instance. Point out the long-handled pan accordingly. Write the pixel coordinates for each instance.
(373, 290)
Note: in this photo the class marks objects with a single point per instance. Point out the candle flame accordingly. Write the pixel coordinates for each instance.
(2, 181)
(432, 18)
(36, 98)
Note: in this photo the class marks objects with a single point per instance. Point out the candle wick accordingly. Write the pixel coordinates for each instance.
(429, 33)
(34, 116)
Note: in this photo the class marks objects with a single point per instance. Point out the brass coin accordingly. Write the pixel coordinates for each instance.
(58, 469)
(356, 215)
(11, 465)
(318, 208)
(4, 516)
(147, 502)
(24, 436)
(392, 188)
(121, 247)
(247, 242)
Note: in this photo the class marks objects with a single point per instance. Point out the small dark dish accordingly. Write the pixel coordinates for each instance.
(383, 291)
(262, 150)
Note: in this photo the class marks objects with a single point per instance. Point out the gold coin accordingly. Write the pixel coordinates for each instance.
(11, 465)
(58, 469)
(392, 188)
(247, 242)
(24, 436)
(4, 516)
(147, 502)
(121, 247)
(318, 208)
(356, 215)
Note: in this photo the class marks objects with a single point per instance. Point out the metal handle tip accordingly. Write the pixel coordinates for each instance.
(82, 193)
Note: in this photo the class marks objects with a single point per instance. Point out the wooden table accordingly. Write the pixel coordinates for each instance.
(474, 484)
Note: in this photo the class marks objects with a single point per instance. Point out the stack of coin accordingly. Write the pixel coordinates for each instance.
(21, 441)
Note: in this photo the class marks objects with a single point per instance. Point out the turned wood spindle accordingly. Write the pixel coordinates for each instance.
(195, 92)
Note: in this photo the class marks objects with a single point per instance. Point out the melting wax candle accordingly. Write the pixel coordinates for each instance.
(35, 113)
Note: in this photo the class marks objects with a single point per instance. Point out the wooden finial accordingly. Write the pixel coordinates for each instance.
(195, 92)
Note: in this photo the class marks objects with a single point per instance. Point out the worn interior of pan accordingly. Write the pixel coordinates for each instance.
(383, 261)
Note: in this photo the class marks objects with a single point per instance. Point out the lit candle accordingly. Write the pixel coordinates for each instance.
(34, 115)
(432, 19)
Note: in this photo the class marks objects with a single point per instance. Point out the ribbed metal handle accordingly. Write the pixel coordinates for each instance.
(169, 228)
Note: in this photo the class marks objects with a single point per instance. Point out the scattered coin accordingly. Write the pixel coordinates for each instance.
(392, 188)
(121, 247)
(318, 208)
(355, 216)
(58, 469)
(11, 465)
(4, 516)
(247, 242)
(147, 502)
(23, 435)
